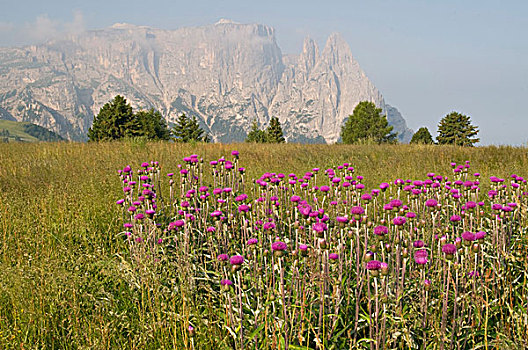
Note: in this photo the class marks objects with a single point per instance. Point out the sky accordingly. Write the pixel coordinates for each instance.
(427, 57)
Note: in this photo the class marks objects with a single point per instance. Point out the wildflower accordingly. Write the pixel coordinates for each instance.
(399, 221)
(480, 235)
(468, 236)
(319, 228)
(431, 203)
(252, 241)
(381, 230)
(333, 257)
(303, 248)
(236, 261)
(366, 197)
(418, 244)
(357, 211)
(222, 257)
(342, 220)
(295, 198)
(374, 266)
(279, 248)
(396, 203)
(243, 208)
(226, 282)
(449, 250)
(455, 219)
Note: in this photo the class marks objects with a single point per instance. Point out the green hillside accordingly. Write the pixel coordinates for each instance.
(11, 131)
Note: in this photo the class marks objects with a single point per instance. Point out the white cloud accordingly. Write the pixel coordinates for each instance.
(41, 29)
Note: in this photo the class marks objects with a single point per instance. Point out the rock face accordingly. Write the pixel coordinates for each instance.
(226, 74)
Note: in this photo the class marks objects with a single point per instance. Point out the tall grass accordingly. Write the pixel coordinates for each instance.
(67, 279)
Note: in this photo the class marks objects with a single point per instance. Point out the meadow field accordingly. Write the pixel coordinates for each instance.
(72, 276)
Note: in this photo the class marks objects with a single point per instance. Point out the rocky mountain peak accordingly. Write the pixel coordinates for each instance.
(225, 74)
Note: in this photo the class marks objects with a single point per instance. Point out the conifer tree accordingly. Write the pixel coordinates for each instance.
(367, 124)
(187, 130)
(255, 134)
(274, 132)
(113, 121)
(422, 136)
(456, 129)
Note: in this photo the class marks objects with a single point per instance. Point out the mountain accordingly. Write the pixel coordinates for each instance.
(25, 132)
(227, 75)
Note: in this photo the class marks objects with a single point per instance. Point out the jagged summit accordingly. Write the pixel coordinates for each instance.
(225, 21)
(226, 74)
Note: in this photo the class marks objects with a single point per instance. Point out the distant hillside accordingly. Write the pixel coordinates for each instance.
(11, 131)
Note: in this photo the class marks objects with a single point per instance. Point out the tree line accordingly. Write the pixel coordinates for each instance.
(116, 120)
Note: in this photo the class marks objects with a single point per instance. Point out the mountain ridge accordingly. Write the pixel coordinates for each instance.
(226, 74)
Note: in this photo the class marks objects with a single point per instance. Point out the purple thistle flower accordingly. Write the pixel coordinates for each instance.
(128, 225)
(396, 203)
(418, 244)
(357, 210)
(252, 241)
(455, 218)
(480, 235)
(431, 203)
(342, 219)
(226, 282)
(236, 260)
(295, 198)
(243, 208)
(410, 215)
(421, 253)
(420, 260)
(374, 265)
(268, 226)
(333, 256)
(366, 197)
(324, 188)
(319, 227)
(449, 249)
(399, 221)
(281, 246)
(222, 257)
(381, 230)
(469, 236)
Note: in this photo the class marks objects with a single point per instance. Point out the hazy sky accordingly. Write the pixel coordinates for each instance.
(427, 58)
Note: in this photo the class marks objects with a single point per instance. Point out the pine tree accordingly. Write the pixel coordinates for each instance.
(187, 130)
(366, 124)
(179, 130)
(113, 121)
(422, 136)
(195, 132)
(274, 131)
(151, 125)
(255, 134)
(456, 129)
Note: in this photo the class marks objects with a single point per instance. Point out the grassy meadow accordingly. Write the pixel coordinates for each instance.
(67, 277)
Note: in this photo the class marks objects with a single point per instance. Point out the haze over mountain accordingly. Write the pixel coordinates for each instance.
(226, 74)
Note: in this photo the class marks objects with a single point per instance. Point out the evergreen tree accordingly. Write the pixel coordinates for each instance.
(367, 124)
(456, 129)
(422, 136)
(151, 125)
(195, 132)
(274, 131)
(187, 130)
(255, 134)
(113, 121)
(179, 130)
